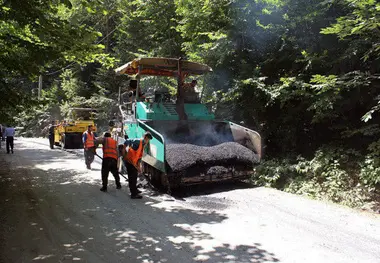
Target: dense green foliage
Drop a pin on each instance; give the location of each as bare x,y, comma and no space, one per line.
305,74
340,175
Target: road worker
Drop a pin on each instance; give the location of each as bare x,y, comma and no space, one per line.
51,134
190,87
132,161
109,163
9,135
88,139
133,91
1,134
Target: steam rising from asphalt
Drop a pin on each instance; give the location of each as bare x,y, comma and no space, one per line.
201,133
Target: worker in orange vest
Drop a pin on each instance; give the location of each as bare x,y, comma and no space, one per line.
109,163
132,159
88,138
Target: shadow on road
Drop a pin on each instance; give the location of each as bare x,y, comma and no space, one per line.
183,191
210,188
58,215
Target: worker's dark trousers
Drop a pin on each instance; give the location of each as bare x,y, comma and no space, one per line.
9,143
110,165
89,155
51,141
132,177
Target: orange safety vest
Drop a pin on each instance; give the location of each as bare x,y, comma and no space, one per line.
133,156
110,148
90,141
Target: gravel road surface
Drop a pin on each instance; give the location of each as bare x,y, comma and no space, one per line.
51,210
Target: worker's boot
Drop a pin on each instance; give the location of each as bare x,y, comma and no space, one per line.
118,186
136,196
103,189
88,166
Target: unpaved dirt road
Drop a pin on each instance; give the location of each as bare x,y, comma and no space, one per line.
52,211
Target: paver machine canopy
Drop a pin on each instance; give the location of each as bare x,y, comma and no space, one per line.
166,67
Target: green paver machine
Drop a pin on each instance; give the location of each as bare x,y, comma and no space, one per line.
182,120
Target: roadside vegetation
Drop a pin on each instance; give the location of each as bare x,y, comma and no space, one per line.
303,73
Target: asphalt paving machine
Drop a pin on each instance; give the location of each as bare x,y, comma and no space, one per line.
189,145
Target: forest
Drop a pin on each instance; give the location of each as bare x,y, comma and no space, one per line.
305,74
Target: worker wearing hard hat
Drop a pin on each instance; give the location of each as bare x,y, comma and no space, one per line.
109,163
132,160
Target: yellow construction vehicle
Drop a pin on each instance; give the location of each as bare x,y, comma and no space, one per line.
68,134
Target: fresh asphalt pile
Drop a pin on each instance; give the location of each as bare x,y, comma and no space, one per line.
182,156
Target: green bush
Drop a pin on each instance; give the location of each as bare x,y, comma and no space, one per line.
333,174
273,173
370,167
